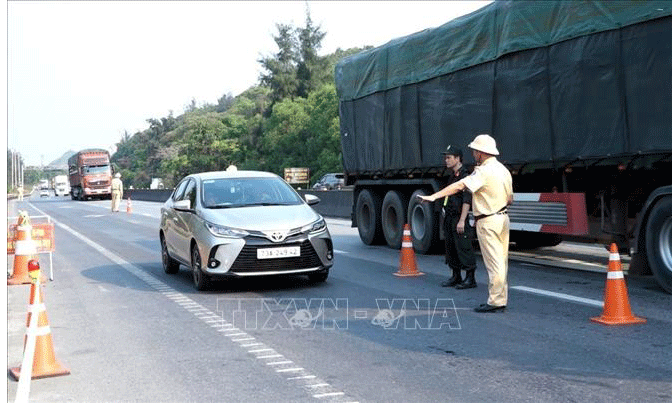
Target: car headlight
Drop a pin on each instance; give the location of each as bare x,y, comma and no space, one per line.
316,226
228,232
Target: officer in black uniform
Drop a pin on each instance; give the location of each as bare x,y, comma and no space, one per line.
458,232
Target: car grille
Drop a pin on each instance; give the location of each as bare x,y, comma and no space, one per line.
247,259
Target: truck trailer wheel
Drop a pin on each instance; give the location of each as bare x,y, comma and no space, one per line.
368,217
393,218
659,242
424,223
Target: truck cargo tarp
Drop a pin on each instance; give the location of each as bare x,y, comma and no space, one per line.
551,81
497,29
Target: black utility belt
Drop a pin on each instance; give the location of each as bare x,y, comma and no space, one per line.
478,217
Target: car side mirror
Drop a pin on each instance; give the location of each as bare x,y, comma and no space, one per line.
182,205
311,199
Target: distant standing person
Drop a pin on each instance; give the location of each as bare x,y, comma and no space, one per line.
491,186
457,231
117,191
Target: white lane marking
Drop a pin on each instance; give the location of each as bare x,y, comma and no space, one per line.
94,215
243,339
177,297
328,394
297,369
260,350
103,289
340,251
566,297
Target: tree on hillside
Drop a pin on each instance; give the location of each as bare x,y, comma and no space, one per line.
296,69
311,67
224,103
280,68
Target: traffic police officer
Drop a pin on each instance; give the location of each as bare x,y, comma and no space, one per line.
117,191
491,186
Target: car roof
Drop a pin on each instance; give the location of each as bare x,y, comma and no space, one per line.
233,175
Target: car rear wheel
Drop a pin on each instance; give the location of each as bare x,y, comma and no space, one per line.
200,279
170,265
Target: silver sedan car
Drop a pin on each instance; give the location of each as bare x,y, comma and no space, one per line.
242,223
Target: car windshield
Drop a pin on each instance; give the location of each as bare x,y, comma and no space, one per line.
244,192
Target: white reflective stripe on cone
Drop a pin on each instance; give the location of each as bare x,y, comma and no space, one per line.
614,256
25,247
407,232
37,308
40,331
612,275
407,244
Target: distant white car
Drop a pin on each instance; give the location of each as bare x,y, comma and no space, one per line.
44,193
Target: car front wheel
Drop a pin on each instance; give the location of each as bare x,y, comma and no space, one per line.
200,279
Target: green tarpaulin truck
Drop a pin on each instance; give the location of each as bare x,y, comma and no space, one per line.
578,95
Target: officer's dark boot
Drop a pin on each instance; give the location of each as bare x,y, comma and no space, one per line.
455,280
469,281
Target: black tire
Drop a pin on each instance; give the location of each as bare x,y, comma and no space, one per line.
200,279
659,242
319,277
393,218
170,265
367,211
424,223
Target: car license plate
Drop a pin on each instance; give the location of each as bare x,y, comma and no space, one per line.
273,253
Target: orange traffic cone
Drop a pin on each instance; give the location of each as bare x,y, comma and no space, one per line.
616,304
25,249
44,362
407,266
129,207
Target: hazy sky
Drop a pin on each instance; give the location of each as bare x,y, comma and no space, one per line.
82,73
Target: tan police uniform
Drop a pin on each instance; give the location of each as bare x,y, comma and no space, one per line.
117,192
491,186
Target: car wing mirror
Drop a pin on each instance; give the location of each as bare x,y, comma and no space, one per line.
182,205
311,199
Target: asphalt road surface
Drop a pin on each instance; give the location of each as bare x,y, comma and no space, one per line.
130,332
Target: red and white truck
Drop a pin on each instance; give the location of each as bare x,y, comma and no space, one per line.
90,175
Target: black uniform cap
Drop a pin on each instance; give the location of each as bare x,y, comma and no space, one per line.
452,150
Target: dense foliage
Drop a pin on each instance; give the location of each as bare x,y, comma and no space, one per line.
290,119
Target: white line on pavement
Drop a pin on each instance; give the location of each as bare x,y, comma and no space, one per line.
566,297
